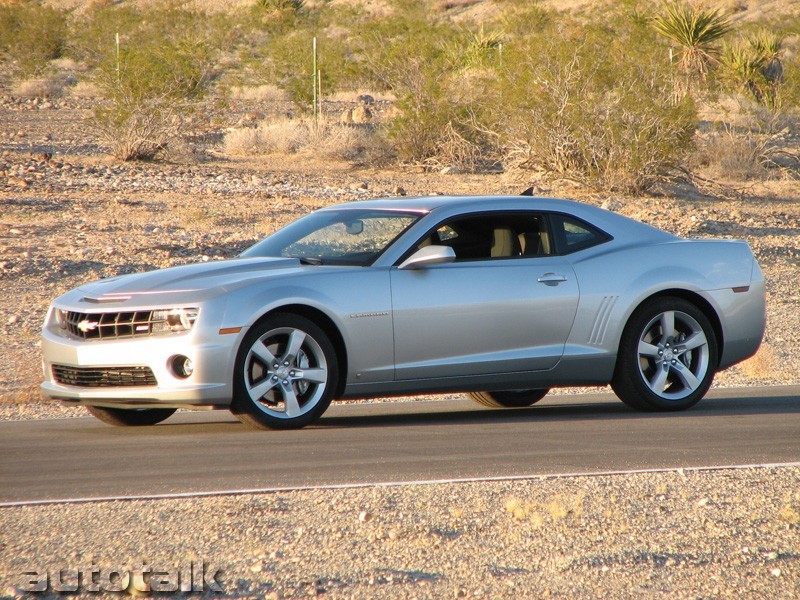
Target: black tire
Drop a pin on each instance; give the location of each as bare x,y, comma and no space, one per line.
667,356
131,417
285,374
508,399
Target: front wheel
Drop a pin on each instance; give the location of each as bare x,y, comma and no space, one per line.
667,356
508,399
131,417
285,373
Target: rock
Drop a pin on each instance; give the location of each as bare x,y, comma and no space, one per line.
18,182
13,320
362,114
399,190
611,204
449,171
365,517
254,116
346,117
365,99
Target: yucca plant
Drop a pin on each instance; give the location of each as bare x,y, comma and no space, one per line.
743,65
280,5
479,49
756,67
695,31
769,45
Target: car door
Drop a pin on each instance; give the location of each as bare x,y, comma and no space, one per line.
482,315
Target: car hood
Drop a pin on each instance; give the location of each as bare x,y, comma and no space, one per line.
166,285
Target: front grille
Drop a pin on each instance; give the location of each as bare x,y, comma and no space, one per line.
103,376
109,325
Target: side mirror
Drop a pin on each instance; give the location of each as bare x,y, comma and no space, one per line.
429,255
354,227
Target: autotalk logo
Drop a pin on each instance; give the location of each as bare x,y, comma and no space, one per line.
187,577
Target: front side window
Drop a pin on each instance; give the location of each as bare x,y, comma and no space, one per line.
492,236
338,237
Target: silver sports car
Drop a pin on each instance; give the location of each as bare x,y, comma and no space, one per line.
499,297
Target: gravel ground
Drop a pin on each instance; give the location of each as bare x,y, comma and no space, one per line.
69,215
698,534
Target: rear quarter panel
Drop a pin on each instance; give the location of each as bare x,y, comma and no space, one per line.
615,279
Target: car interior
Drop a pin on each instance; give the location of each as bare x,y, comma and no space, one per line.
493,236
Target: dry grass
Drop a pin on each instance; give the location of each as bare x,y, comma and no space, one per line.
43,87
259,93
293,136
85,89
282,136
732,155
353,96
554,511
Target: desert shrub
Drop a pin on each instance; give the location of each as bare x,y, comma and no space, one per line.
280,5
53,86
284,136
258,93
355,143
425,68
323,140
85,89
598,108
732,155
165,63
144,103
30,36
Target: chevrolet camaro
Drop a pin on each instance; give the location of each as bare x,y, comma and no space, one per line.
501,298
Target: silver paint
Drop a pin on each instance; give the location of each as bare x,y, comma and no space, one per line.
444,326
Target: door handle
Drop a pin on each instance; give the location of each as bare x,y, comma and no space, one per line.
551,278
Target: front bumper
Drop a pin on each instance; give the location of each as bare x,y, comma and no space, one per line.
208,386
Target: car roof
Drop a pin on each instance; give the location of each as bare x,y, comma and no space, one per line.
431,203
612,223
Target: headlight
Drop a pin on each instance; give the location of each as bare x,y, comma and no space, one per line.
61,318
174,319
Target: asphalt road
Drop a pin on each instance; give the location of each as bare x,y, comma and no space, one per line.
393,442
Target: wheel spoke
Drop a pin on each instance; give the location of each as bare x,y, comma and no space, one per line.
263,354
668,324
695,341
646,349
686,376
258,390
658,382
315,375
296,340
290,400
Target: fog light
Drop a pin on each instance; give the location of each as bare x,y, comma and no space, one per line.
182,366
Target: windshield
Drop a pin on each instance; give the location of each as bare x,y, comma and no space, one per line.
336,237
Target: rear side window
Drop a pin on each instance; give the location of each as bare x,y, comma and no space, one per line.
573,234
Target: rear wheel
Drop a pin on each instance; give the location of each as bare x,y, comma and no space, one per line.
667,356
285,374
508,399
131,417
